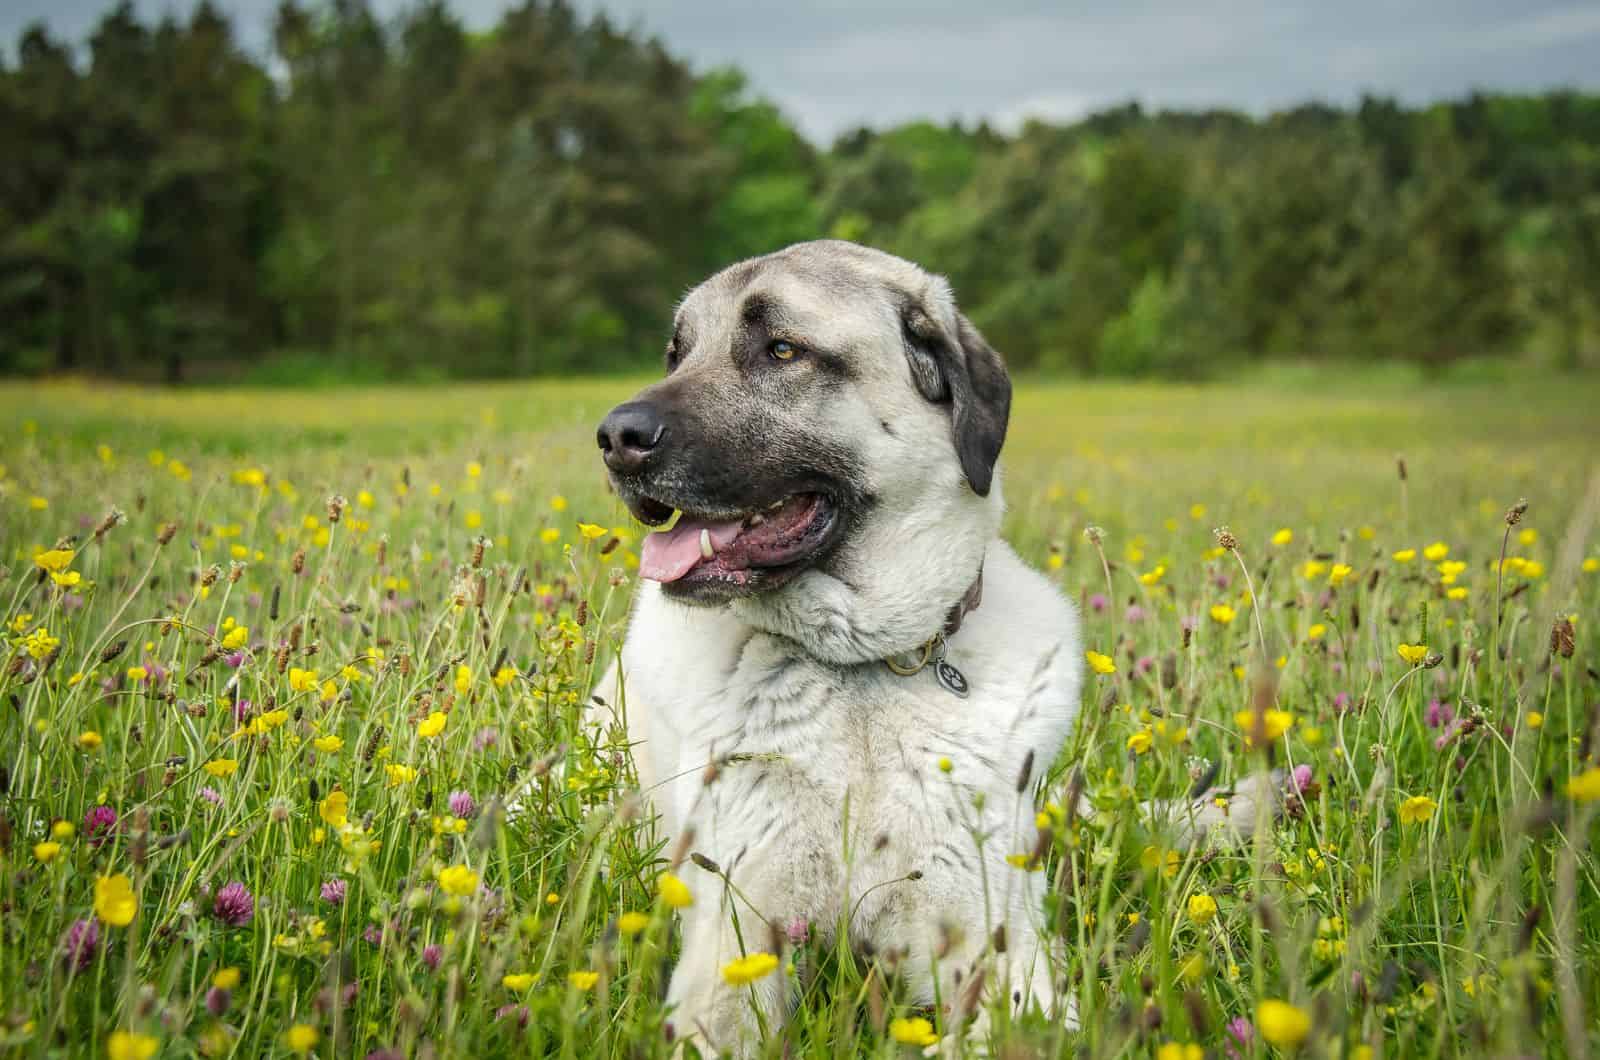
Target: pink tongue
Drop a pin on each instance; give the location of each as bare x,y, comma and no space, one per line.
668,555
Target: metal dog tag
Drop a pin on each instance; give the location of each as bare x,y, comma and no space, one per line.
953,680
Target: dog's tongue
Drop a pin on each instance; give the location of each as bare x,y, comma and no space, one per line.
668,555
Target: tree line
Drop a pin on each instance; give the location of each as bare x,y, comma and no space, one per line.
412,199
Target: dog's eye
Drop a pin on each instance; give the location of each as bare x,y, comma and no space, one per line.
784,351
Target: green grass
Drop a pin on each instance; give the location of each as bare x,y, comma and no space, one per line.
1474,931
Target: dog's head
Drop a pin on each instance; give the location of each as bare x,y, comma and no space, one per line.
828,429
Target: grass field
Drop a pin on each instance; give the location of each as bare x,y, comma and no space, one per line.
255,740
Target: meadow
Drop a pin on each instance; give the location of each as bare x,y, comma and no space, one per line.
274,660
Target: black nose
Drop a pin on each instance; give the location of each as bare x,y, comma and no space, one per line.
629,434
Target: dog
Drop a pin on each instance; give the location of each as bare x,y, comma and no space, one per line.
840,686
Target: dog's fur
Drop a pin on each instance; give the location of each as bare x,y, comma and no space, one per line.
829,795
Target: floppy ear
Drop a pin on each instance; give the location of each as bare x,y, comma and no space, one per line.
964,369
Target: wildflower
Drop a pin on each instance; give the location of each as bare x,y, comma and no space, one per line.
1222,614
1450,570
1591,564
233,905
62,830
1202,907
1417,809
218,1001
1405,555
54,560
433,956
1312,569
1140,741
1338,573
1458,592
1436,552
79,944
328,744
590,531
1175,1051
582,980
1100,664
504,676
226,978
743,971
114,900
90,740
1153,576
913,1031
461,804
463,679
1283,537
399,774
302,680
518,982
301,1038
333,891
1283,1024
458,880
630,924
46,851
39,644
222,767
432,725
1317,631
550,535
1535,719
1585,787
335,809
236,638
1269,724
1413,653
676,894
129,1045
98,823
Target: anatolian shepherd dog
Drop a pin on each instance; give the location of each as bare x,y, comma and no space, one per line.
835,623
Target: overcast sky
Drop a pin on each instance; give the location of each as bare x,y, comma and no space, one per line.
833,64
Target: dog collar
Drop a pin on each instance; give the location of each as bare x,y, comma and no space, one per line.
932,650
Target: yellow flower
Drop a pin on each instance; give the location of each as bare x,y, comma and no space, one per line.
432,725
913,1031
1202,907
590,531
63,830
1405,555
583,980
1533,569
236,638
1140,741
504,676
222,767
1197,511
1436,552
1272,723
1100,664
630,924
1282,1024
335,809
458,880
1338,573
1413,653
1528,535
550,535
54,560
1317,631
518,982
130,1045
1535,719
673,891
1056,561
742,971
1175,1051
114,900
474,519
69,580
38,504
1417,809
46,851
328,744
302,680
1153,576
399,774
1585,787
463,679
137,673
945,765
328,692
1312,569
1591,564
1025,862
1222,614
301,1038
1283,537
1458,592
90,740
226,978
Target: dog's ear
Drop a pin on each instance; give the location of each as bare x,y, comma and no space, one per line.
959,366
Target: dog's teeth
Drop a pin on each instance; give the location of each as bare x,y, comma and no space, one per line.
774,506
757,519
705,544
